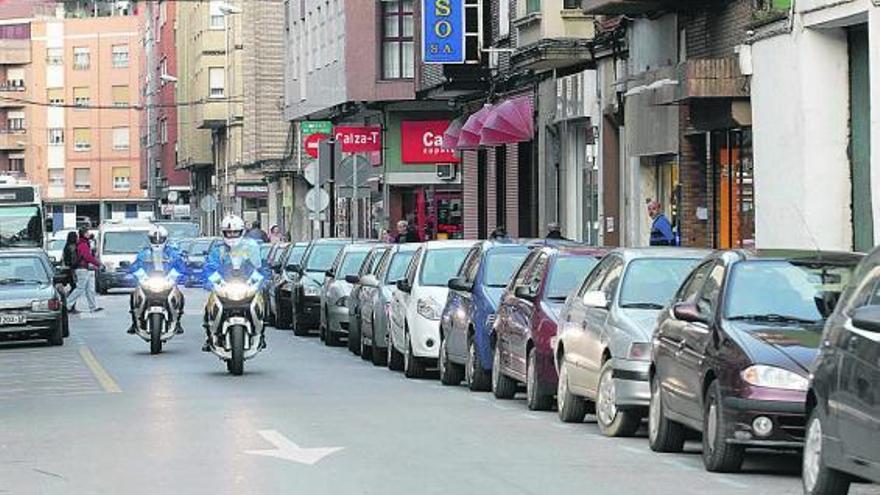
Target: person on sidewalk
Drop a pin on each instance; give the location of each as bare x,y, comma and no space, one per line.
86,267
405,233
554,231
275,235
256,233
661,227
70,260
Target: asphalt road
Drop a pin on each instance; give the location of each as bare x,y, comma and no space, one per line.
101,415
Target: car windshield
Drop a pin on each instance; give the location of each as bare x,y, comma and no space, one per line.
264,251
22,270
351,264
567,273
322,256
125,242
200,248
650,283
399,263
56,244
21,226
295,254
783,291
183,230
442,264
501,265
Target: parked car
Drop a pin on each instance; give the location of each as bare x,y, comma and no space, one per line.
196,252
603,351
527,321
308,281
359,294
118,246
280,298
418,302
265,249
55,246
843,398
179,230
33,307
732,355
336,290
273,260
376,297
469,313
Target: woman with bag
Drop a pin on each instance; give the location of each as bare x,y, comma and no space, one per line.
70,260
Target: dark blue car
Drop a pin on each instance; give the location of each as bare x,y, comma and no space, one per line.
467,319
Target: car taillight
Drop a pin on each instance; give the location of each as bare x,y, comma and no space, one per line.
54,304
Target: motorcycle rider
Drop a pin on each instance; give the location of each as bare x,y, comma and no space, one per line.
159,256
236,252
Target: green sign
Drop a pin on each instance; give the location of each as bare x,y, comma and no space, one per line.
309,127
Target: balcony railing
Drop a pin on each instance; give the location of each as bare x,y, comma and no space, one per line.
17,86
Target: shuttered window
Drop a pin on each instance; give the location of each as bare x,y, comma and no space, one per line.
120,96
82,139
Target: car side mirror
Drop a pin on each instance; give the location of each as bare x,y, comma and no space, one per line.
460,284
403,285
524,293
867,318
294,267
352,279
688,312
596,299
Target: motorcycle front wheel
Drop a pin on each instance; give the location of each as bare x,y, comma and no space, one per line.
155,323
235,365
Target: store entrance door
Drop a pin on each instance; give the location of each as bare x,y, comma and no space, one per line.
734,189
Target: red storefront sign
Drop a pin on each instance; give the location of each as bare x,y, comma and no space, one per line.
360,139
421,141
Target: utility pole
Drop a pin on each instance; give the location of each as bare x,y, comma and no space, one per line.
332,186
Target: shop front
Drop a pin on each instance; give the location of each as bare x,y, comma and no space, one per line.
254,201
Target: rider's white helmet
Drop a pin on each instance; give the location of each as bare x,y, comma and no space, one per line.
158,236
232,228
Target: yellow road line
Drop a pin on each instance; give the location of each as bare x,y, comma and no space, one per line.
104,378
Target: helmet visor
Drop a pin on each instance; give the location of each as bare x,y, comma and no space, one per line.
157,238
232,234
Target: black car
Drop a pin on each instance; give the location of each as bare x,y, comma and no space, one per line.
843,400
273,259
31,306
279,286
307,282
732,354
195,252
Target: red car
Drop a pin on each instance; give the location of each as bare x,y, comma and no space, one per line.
527,318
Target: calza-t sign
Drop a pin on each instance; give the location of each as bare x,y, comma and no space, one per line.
443,31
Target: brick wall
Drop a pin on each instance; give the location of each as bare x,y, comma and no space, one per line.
692,176
713,32
470,195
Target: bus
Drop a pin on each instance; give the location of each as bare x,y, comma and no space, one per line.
21,215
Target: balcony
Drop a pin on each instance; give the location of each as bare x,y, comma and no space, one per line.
15,51
211,114
712,78
13,140
553,39
636,7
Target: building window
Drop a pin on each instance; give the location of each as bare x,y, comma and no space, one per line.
163,131
14,80
120,138
15,31
54,56
218,20
81,96
120,56
163,71
533,6
120,96
121,178
82,179
55,96
56,136
15,121
56,177
16,165
503,18
81,59
216,82
397,39
473,36
571,4
82,139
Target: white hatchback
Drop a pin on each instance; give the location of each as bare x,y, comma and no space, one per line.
414,327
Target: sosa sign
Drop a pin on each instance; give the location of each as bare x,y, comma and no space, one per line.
422,142
443,31
359,139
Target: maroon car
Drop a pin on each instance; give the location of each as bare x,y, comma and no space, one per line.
527,318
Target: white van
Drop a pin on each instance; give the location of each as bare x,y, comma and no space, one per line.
118,245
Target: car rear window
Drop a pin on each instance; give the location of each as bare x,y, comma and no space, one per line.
501,265
22,269
442,264
351,264
653,281
322,256
567,274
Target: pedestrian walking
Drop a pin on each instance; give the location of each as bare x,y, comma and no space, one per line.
554,231
86,266
256,233
275,235
499,233
661,228
70,260
405,233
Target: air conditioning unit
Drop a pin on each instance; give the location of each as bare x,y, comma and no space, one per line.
446,171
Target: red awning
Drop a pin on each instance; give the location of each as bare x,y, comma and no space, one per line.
510,122
469,138
452,133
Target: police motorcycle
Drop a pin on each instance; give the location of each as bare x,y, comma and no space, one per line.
235,311
157,302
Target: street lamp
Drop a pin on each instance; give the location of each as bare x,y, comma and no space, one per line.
228,10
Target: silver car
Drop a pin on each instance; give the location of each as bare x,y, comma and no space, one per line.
336,290
361,295
376,304
603,349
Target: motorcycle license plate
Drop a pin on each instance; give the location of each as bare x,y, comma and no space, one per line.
12,319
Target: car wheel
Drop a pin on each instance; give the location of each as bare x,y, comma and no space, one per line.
379,353
57,335
365,351
413,367
536,398
477,379
298,328
503,386
718,455
65,324
819,479
613,422
394,358
450,373
572,408
282,316
664,435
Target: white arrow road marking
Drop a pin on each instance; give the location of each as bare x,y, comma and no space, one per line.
287,450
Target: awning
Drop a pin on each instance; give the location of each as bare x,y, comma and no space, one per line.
509,122
469,138
452,133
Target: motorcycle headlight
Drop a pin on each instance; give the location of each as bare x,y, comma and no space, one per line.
236,291
429,308
311,290
158,284
760,375
342,301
